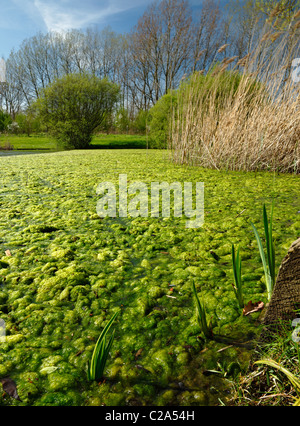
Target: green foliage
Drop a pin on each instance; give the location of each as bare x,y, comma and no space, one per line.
201,315
5,120
122,120
269,262
140,122
28,124
101,352
160,118
123,141
74,106
237,272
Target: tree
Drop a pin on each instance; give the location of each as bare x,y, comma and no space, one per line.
161,46
279,13
5,120
209,34
28,123
74,106
246,26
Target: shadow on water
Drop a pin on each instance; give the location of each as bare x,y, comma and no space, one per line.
249,344
17,153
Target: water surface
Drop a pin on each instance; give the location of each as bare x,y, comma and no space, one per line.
11,153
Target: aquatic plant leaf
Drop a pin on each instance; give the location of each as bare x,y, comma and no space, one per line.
101,352
201,314
269,242
237,273
268,277
49,370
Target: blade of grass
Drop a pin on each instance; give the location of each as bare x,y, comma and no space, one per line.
292,378
297,403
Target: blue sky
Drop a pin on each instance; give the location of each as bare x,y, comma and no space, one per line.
20,19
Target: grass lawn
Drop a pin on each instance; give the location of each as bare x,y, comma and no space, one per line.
29,143
120,141
46,143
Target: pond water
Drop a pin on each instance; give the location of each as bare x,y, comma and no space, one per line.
67,272
14,153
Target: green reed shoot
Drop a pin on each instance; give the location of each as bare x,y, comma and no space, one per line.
270,243
101,352
201,315
237,273
269,261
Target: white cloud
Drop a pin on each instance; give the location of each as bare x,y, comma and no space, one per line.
63,15
18,14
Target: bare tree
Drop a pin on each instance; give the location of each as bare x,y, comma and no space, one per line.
161,46
209,34
176,17
169,41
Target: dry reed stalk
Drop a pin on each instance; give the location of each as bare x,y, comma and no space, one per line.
249,130
296,25
222,48
297,15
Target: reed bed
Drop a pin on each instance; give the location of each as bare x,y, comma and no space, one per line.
255,126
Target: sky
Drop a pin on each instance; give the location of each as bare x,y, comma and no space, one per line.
21,19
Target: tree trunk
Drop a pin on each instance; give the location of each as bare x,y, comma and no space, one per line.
285,300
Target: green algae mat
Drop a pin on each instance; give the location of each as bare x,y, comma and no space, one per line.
64,272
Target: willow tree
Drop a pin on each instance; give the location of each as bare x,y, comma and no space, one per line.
74,106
